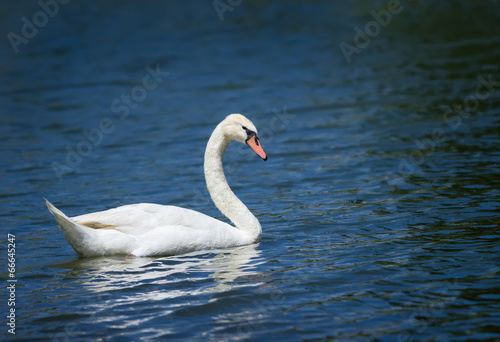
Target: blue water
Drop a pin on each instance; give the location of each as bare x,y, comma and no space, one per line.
380,201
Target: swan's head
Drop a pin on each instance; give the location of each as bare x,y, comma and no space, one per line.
239,128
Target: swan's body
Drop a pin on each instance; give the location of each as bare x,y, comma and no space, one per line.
147,229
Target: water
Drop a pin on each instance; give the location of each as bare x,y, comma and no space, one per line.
379,202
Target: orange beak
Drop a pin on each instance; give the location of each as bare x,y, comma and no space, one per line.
254,144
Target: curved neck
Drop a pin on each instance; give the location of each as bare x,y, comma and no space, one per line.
220,192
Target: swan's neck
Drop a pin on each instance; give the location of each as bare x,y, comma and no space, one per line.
220,192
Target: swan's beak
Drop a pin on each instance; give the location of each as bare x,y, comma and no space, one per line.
254,144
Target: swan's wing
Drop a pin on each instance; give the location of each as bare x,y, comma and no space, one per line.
138,219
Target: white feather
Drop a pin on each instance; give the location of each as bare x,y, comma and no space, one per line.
147,229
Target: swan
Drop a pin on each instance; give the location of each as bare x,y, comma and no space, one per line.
147,229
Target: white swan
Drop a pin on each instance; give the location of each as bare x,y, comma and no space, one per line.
147,229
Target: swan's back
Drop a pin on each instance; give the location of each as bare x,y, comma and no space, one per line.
146,229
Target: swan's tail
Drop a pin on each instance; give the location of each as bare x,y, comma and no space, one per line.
74,233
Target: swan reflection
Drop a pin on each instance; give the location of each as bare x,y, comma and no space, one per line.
218,268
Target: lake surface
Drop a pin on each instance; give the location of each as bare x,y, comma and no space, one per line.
380,201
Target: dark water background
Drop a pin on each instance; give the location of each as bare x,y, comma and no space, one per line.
380,201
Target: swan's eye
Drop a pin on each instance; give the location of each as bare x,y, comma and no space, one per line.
251,134
248,131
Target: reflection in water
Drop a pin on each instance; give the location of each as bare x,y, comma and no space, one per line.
127,289
117,273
